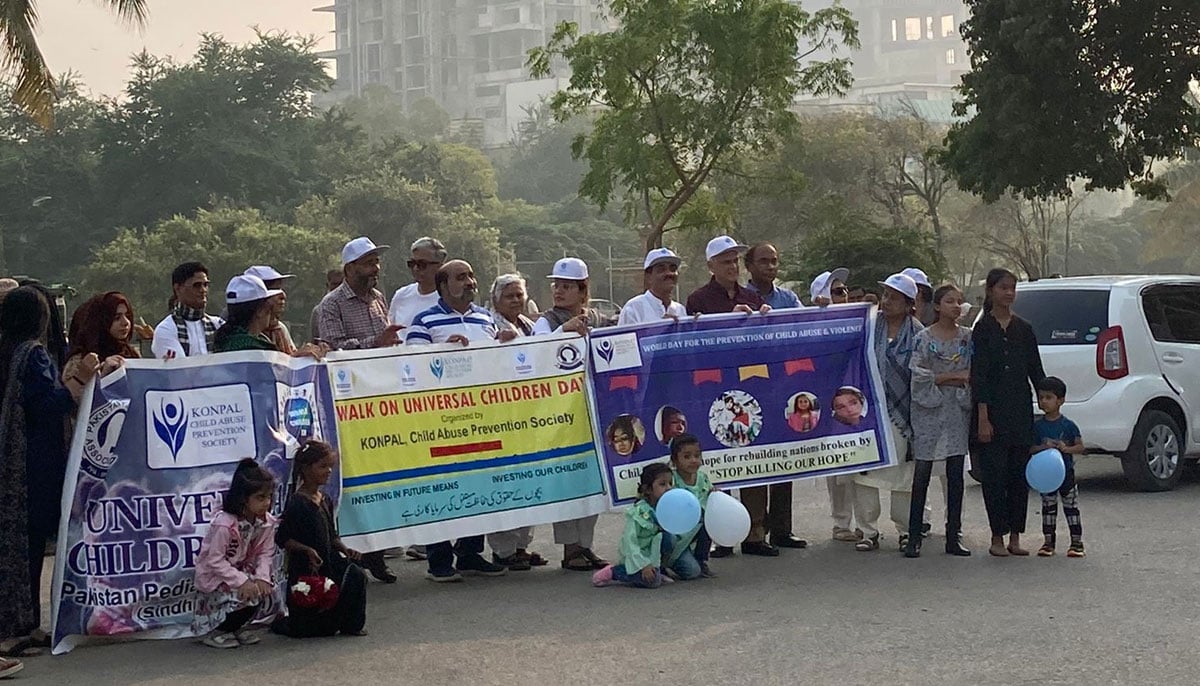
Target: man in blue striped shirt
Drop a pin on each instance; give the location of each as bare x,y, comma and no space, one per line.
456,319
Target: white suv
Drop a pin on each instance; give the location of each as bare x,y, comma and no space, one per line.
1128,348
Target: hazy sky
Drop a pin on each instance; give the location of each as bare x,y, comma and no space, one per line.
82,36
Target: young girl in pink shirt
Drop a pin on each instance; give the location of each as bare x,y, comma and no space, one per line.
233,569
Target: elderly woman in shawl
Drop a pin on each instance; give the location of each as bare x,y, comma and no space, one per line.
895,328
33,453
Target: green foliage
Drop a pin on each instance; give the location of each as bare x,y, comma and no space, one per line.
234,124
1074,89
139,262
683,85
459,175
871,252
381,117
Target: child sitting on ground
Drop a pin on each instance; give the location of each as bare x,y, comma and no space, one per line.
689,552
1056,431
233,568
641,547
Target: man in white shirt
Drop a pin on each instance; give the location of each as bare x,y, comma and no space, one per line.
427,255
662,274
456,319
188,331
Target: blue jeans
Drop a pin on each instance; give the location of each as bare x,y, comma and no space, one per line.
634,578
686,565
441,555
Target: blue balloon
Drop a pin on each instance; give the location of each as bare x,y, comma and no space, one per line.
1046,471
678,511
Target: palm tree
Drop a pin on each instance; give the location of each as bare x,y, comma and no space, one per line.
20,56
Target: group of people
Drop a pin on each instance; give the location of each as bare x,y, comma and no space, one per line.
950,391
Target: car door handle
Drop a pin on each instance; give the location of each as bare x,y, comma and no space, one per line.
1172,358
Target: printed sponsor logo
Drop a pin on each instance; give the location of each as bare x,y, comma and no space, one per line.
199,426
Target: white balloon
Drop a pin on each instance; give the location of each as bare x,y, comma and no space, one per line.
726,519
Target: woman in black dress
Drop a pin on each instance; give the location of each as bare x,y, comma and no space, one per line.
1005,368
309,536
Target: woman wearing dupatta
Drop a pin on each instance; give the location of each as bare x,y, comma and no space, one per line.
33,450
895,330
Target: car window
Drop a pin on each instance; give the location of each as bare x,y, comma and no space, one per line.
1173,313
1064,316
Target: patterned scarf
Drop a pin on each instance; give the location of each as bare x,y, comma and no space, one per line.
893,358
16,605
558,316
182,315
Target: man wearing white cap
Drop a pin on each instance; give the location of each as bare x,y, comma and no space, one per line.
924,310
829,288
724,294
662,274
426,257
188,331
355,316
277,331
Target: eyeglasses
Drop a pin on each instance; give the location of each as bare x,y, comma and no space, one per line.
840,290
421,264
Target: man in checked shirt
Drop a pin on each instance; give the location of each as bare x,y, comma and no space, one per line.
355,316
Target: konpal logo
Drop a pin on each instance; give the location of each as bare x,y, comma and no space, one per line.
450,367
521,363
199,426
617,351
437,368
170,423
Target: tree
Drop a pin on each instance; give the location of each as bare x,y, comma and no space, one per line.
872,253
35,91
1025,232
1075,89
139,261
682,85
49,180
382,118
459,175
234,124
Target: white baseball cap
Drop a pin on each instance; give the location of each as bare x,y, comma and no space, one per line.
821,285
917,275
569,269
266,273
246,289
902,283
661,255
722,244
359,248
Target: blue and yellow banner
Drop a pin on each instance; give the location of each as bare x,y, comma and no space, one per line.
451,441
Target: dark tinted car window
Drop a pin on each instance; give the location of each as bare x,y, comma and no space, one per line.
1173,313
1064,317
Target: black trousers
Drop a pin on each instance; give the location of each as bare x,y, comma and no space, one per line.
237,619
37,555
1005,492
954,497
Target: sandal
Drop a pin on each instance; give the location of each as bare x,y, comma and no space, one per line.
579,563
25,647
534,559
866,545
597,561
9,667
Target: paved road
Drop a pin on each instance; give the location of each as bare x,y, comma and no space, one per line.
827,615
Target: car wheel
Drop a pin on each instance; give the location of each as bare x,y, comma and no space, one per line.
1154,461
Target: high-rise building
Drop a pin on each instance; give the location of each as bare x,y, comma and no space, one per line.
468,55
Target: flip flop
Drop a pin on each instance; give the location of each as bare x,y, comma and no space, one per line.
26,647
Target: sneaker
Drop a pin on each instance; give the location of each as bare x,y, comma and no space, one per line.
416,553
443,576
1047,550
220,640
475,564
1076,549
706,571
603,577
246,637
722,551
513,562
